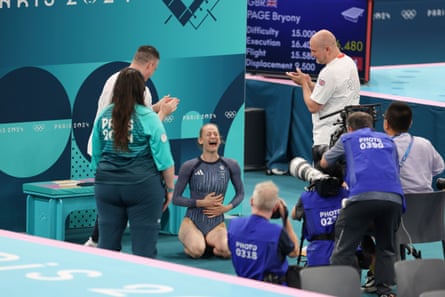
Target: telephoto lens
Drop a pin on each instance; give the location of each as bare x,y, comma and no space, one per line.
324,184
301,169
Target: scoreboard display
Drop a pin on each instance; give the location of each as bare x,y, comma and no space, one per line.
278,34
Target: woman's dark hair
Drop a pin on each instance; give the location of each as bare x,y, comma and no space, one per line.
128,91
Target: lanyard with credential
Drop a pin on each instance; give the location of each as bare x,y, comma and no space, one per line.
408,149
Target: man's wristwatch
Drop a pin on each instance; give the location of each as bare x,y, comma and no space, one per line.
169,190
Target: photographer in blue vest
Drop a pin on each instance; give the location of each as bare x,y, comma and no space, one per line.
418,159
319,207
260,247
375,196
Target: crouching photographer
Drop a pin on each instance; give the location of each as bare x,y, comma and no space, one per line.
318,207
260,247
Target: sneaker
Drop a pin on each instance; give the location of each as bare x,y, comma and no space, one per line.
277,171
90,242
369,286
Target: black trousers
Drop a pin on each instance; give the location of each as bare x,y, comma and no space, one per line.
353,223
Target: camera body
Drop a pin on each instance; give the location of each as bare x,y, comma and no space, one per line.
329,184
373,109
440,183
276,214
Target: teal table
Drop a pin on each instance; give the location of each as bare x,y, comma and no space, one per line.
49,203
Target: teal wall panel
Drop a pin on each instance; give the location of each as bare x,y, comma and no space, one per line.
56,54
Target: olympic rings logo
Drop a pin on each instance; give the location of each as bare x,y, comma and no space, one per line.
170,118
230,114
408,14
39,128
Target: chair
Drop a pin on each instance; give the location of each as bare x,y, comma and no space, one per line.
419,275
422,222
336,280
435,293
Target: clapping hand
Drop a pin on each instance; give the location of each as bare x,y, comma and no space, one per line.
168,104
298,76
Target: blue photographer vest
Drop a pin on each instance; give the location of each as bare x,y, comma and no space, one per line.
253,242
371,162
320,215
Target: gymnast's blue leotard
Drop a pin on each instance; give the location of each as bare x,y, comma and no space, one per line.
204,178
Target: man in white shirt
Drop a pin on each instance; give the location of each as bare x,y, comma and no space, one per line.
337,86
145,60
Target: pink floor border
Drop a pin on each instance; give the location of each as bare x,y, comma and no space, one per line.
160,264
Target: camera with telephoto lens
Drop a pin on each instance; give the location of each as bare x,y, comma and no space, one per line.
440,183
323,183
373,109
